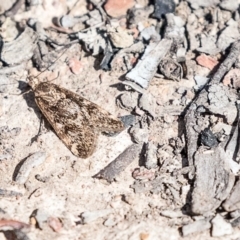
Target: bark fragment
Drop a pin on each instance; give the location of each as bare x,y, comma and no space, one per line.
114,168
213,182
146,68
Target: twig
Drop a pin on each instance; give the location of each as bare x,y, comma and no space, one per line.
99,7
114,168
202,100
14,9
147,66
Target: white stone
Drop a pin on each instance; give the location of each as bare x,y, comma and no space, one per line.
220,227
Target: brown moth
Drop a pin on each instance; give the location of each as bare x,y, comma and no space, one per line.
76,121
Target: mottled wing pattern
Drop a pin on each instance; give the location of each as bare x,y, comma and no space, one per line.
99,118
81,141
75,120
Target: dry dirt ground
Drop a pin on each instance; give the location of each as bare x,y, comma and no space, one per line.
61,192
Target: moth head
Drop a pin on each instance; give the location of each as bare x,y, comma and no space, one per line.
33,82
48,92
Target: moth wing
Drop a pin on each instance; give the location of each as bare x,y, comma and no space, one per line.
80,140
100,119
105,121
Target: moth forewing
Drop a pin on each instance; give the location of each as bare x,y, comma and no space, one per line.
76,120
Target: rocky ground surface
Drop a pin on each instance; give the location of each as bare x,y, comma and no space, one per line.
172,69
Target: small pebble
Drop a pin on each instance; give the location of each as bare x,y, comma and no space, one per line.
220,227
232,79
128,120
55,224
200,81
120,38
88,217
195,227
148,104
206,61
229,35
139,135
162,7
235,213
75,65
41,217
143,174
68,21
128,100
116,8
229,5
172,213
151,159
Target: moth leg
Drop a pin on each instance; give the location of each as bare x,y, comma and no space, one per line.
35,138
42,129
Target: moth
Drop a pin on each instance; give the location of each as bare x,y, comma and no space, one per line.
76,120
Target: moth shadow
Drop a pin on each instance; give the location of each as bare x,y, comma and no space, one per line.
29,98
23,86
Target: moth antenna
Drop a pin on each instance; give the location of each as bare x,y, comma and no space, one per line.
20,94
54,78
33,80
66,47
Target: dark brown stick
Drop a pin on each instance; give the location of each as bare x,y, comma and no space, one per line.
114,168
